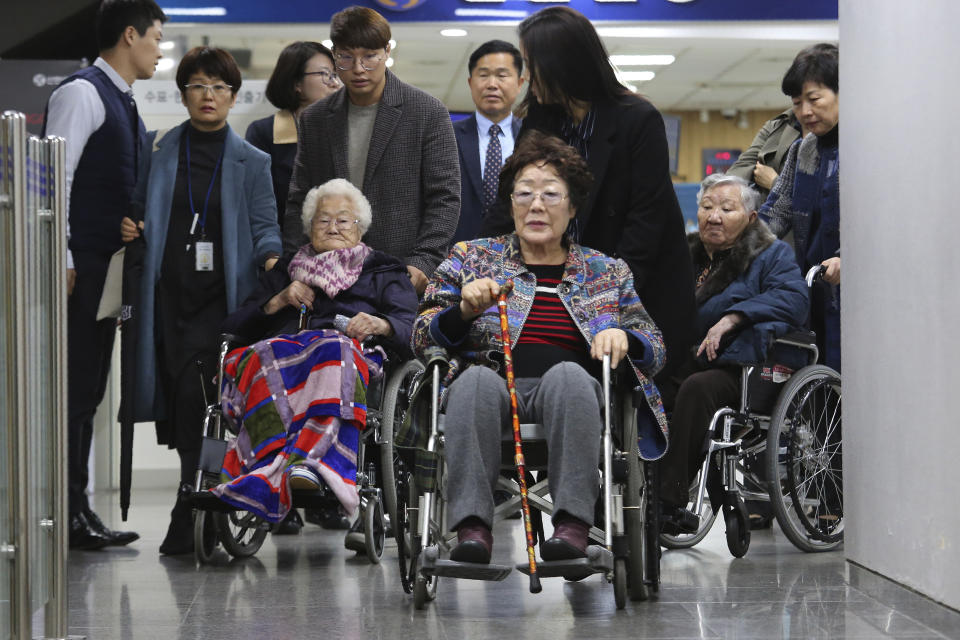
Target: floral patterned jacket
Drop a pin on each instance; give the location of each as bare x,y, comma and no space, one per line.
597,291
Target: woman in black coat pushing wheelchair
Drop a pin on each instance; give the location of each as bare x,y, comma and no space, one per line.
749,291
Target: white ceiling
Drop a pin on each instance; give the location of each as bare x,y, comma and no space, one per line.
730,65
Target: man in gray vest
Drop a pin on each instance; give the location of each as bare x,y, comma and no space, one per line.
94,111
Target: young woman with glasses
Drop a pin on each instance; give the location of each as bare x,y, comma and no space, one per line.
303,75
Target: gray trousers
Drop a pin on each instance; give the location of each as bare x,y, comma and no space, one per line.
566,400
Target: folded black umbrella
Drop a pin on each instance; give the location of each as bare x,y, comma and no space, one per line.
129,319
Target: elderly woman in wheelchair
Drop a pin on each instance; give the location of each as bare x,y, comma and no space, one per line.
749,291
298,399
569,306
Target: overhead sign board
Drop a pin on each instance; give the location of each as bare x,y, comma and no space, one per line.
302,11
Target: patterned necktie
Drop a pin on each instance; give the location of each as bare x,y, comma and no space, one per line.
491,167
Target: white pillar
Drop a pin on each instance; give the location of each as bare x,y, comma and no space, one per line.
900,228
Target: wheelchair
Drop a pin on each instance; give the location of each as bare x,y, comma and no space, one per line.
628,554
242,533
791,426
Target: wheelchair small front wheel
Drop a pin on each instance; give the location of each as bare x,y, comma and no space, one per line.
241,532
620,582
204,536
738,527
374,529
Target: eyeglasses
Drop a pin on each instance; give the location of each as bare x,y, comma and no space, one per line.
218,89
342,224
525,197
369,62
328,77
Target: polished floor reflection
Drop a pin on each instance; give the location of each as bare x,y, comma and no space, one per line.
308,586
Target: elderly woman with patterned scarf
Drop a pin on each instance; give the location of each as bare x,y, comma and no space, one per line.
296,440
569,306
748,291
806,196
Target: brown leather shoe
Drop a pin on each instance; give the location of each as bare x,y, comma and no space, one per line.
474,542
569,540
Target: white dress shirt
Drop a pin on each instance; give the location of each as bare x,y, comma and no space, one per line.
506,138
75,112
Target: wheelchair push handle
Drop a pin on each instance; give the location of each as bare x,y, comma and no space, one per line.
815,273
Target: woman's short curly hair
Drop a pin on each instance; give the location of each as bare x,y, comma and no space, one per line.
336,187
537,148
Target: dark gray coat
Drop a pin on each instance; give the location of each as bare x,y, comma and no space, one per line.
412,179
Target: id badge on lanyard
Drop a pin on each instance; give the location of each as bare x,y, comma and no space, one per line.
204,248
203,257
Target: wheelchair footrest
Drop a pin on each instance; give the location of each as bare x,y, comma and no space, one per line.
206,501
313,498
599,560
431,564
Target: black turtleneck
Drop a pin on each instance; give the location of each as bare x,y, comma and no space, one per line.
191,304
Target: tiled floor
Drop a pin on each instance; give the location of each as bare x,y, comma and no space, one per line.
308,586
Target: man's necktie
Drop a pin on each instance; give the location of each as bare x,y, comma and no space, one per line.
491,167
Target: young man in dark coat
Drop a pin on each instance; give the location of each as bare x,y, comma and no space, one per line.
392,141
95,111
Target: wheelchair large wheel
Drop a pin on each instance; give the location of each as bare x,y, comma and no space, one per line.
425,586
396,401
804,459
707,518
634,513
241,532
404,527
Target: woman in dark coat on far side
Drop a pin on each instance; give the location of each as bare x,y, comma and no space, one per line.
303,75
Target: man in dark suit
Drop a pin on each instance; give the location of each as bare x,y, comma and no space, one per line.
393,141
494,76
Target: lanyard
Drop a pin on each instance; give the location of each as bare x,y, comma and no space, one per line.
206,202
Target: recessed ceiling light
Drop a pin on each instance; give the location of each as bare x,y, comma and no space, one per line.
327,43
165,64
195,11
392,43
641,60
389,62
637,76
453,33
166,45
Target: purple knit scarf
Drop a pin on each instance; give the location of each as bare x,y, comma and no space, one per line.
332,271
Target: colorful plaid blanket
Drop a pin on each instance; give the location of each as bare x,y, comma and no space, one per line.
296,400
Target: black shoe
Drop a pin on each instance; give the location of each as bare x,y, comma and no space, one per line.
117,538
84,536
328,518
289,526
675,521
179,538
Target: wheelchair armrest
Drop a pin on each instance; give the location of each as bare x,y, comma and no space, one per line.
231,339
435,356
798,338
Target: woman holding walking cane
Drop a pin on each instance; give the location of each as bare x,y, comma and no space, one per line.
569,306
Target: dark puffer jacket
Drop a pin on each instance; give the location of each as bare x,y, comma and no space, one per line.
383,290
760,279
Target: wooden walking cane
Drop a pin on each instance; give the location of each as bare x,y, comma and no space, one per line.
517,444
